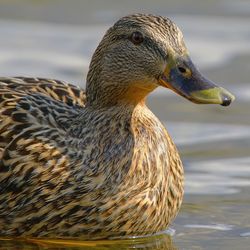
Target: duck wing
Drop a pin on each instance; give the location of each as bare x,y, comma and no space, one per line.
29,102
35,116
58,90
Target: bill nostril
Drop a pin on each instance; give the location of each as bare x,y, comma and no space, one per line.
182,70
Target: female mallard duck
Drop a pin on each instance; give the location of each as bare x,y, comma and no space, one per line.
98,164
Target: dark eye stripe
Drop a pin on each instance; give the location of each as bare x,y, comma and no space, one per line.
153,45
149,44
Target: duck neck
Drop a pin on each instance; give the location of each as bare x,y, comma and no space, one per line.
111,95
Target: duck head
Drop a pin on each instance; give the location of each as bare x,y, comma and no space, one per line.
141,52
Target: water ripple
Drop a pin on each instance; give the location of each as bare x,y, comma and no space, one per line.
220,227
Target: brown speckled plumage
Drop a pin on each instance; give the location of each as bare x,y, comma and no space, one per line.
100,167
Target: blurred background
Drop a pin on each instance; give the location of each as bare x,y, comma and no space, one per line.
56,39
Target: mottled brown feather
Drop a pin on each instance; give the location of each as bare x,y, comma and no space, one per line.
102,170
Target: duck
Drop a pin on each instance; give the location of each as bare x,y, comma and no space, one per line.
97,163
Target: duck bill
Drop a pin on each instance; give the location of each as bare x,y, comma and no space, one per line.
188,82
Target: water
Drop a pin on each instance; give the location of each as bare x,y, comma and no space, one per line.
52,39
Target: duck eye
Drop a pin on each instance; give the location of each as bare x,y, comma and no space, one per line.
137,37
